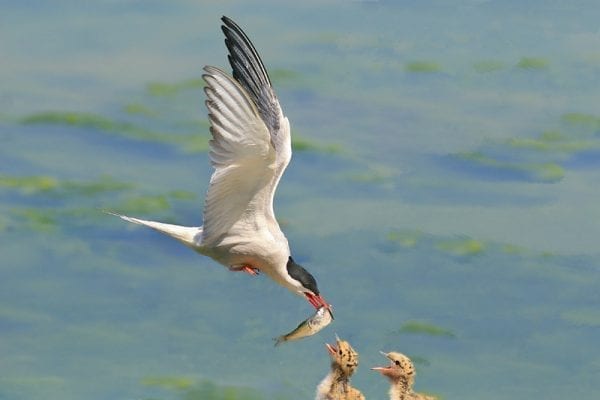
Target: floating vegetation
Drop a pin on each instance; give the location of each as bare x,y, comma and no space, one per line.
169,382
206,390
182,195
46,219
582,120
170,89
191,142
40,220
488,66
41,183
544,172
425,328
407,239
537,172
76,119
533,63
92,188
512,249
542,144
29,184
462,247
539,159
373,174
283,76
194,144
423,66
148,204
210,391
553,141
139,109
303,144
145,204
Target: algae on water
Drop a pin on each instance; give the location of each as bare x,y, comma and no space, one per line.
36,184
190,389
425,328
533,63
462,247
407,239
170,89
188,142
423,66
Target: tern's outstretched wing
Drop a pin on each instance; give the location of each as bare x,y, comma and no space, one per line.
250,146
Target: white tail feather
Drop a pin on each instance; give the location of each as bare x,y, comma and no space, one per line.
188,235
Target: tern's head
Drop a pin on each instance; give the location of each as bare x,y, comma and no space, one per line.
400,367
343,355
305,284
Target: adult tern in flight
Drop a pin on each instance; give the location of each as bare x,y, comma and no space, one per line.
249,150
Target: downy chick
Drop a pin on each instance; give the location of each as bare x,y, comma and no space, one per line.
401,373
336,385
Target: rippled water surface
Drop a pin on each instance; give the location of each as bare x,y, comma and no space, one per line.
444,191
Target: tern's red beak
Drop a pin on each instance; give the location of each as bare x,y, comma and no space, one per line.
317,301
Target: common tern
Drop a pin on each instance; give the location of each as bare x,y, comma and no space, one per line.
249,150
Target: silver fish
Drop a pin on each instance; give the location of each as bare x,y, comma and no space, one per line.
308,327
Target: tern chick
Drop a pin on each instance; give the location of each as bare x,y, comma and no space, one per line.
336,385
401,373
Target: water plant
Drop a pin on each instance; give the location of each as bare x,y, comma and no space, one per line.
423,66
425,328
533,63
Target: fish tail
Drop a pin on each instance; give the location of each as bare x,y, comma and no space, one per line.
279,340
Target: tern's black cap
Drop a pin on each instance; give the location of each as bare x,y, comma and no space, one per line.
300,274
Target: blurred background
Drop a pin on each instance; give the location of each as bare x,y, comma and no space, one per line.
444,191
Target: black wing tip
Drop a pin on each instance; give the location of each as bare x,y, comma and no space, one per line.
226,20
234,37
229,24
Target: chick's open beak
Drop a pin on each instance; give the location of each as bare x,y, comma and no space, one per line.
383,370
331,349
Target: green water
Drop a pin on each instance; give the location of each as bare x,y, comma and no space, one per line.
443,191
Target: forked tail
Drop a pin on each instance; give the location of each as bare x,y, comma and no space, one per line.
188,235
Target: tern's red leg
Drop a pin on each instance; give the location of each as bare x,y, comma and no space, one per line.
250,270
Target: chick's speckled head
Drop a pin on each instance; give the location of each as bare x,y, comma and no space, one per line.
344,356
400,366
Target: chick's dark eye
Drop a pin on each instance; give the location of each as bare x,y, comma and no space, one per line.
340,352
397,362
